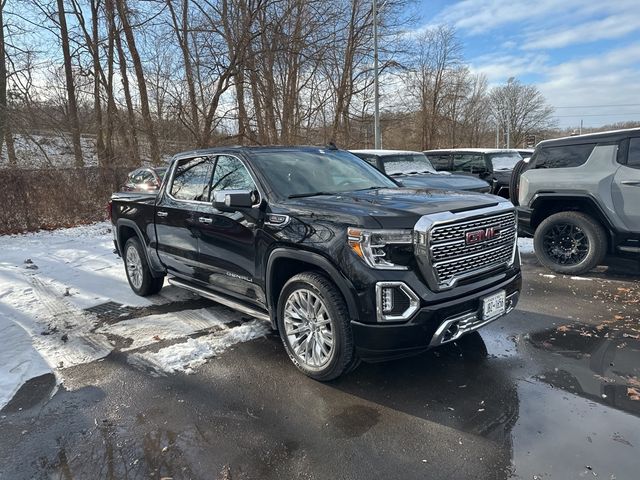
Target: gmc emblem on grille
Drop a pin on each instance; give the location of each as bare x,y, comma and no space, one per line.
477,236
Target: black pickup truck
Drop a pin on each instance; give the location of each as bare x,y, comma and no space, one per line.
344,263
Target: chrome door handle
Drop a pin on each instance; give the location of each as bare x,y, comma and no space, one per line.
205,220
162,214
633,183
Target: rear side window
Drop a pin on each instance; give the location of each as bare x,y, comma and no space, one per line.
469,162
633,159
566,156
191,179
439,161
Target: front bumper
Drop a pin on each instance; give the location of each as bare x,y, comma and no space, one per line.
524,222
378,342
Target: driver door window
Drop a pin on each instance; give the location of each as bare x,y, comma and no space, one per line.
231,174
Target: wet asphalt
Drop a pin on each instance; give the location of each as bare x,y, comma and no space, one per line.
551,391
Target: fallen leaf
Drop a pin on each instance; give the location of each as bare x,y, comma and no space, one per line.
633,393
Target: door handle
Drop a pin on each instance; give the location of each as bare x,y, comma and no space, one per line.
633,183
205,220
162,214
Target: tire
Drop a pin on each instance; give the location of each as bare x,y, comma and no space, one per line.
141,281
514,182
328,321
570,243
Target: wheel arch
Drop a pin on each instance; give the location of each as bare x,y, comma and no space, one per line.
544,205
284,263
126,229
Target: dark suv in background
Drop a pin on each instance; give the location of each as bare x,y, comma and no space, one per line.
413,169
492,165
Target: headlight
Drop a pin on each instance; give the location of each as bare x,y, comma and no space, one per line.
382,249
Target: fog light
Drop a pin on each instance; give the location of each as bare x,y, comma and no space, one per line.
395,301
387,299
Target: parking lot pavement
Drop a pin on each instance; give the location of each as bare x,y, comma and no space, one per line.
551,391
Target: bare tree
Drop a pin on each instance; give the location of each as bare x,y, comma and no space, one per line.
123,14
520,108
70,86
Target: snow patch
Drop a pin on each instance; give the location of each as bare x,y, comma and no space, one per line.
184,357
145,331
525,245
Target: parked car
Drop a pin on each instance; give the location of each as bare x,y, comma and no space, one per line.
490,164
146,179
579,198
345,264
525,153
413,169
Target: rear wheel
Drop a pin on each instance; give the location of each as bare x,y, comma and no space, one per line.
514,182
570,243
141,281
313,322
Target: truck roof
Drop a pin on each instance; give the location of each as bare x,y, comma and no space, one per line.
473,150
608,136
382,153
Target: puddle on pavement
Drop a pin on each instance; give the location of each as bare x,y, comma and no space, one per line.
354,421
601,363
32,393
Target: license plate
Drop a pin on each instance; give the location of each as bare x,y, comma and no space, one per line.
493,305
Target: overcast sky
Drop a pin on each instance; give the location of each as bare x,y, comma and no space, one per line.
578,52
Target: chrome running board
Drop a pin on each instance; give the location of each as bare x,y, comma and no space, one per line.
224,300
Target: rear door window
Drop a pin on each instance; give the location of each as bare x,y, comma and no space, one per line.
469,163
439,161
566,156
633,158
191,179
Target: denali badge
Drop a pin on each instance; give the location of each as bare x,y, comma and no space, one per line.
477,236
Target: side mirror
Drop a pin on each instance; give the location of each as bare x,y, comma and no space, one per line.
233,199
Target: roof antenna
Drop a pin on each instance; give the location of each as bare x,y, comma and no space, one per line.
332,146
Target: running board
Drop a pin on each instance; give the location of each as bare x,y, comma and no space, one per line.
224,300
629,249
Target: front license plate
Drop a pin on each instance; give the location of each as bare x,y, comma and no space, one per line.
493,305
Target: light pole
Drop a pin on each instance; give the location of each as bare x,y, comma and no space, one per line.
376,89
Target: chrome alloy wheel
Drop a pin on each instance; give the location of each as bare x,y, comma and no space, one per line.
134,267
308,328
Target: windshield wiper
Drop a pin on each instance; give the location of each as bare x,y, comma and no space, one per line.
310,194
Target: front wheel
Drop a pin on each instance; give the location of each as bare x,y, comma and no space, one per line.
141,281
313,322
571,243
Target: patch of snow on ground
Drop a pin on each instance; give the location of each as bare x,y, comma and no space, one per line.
525,245
48,279
19,361
184,357
145,331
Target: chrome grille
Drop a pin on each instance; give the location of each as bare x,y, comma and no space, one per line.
446,257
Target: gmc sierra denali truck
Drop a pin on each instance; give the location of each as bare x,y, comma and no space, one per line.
343,263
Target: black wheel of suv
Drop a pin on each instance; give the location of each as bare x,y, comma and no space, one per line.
138,273
570,242
514,182
314,326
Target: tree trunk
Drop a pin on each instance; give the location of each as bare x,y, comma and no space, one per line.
97,103
3,81
142,86
71,93
131,115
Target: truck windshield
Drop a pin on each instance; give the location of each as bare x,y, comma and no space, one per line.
406,164
504,161
318,172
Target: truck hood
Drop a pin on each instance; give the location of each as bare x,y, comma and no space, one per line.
447,182
391,207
